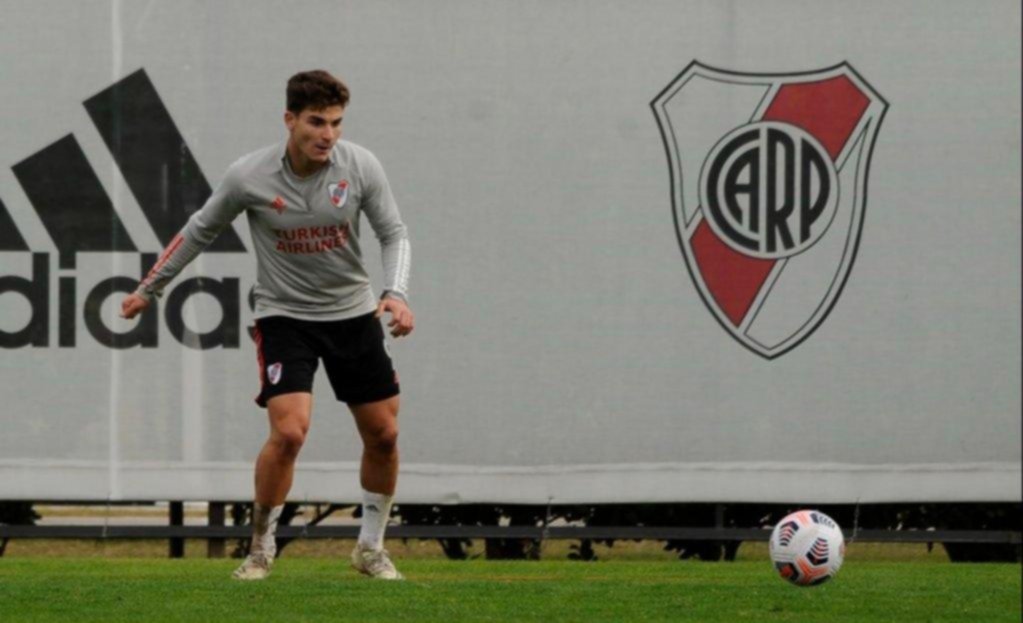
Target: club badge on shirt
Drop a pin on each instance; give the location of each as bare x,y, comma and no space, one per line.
273,372
338,193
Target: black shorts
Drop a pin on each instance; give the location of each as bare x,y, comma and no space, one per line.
353,353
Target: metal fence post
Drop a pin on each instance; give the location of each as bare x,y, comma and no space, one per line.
215,546
177,518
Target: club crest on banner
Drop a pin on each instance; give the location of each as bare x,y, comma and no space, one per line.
338,193
769,179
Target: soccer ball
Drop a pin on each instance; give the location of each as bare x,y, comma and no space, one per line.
807,547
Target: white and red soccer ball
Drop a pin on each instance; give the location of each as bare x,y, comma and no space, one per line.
807,547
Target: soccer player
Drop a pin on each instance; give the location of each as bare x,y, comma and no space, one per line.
303,199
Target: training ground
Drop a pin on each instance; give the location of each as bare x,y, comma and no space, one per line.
877,583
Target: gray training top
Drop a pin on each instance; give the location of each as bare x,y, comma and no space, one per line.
305,232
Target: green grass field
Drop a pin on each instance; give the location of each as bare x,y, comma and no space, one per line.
314,589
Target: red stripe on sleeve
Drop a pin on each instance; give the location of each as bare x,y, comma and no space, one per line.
168,252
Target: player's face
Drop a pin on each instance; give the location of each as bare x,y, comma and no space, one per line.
314,132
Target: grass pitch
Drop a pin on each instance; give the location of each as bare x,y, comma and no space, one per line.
304,589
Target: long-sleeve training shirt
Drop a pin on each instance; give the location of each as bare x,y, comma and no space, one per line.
305,232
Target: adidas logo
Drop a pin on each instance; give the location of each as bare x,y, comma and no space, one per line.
79,217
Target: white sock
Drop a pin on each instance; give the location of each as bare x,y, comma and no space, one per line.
264,527
376,510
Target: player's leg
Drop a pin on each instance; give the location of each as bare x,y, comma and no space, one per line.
288,364
361,372
275,468
289,416
378,426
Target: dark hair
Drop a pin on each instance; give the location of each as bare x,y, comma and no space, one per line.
315,89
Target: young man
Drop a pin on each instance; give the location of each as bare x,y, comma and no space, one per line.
303,199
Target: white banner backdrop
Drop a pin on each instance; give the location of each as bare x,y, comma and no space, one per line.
563,352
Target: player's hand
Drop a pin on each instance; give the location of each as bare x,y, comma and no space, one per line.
402,321
132,305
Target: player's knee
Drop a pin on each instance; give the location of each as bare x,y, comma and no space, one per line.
289,440
384,440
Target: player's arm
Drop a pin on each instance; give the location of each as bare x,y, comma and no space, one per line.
382,212
201,229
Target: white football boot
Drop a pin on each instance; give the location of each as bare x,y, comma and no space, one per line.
257,564
376,563
254,567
